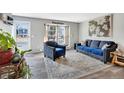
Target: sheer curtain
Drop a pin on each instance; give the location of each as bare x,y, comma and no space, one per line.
62,33
67,35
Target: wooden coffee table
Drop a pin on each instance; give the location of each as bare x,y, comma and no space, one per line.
115,55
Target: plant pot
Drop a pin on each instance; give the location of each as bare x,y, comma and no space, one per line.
5,56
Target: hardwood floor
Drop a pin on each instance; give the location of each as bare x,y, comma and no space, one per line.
114,72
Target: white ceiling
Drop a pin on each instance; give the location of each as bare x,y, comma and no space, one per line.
72,17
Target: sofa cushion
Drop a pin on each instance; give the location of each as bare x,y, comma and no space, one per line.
102,43
88,49
97,52
88,43
80,47
59,51
95,44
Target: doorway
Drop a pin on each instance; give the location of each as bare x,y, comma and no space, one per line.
22,34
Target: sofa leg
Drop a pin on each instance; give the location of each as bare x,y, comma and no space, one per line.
44,55
105,62
54,59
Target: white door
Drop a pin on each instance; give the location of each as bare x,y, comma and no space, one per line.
22,34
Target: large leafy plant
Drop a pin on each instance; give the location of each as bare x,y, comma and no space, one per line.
24,70
6,41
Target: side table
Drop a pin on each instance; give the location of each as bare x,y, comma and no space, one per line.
116,55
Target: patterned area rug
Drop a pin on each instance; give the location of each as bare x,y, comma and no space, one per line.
74,66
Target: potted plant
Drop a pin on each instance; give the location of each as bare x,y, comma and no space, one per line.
18,58
10,53
7,43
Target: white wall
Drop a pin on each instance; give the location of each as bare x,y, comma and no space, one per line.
38,31
118,30
5,27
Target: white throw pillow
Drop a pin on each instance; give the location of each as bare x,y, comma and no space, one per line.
105,46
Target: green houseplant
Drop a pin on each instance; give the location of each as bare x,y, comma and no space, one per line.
10,53
7,43
24,70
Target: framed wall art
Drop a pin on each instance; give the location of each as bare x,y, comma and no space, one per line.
101,27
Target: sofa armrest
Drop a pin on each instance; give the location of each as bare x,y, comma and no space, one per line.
62,46
50,47
78,44
111,49
49,51
107,51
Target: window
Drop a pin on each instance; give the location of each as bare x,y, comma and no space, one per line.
21,31
58,33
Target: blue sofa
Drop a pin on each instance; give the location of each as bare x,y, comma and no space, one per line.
94,48
53,50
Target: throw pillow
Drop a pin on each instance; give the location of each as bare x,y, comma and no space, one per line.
105,46
95,44
88,42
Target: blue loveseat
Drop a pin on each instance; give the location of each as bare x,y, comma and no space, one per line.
53,50
94,48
